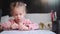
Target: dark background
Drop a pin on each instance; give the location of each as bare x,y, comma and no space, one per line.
34,6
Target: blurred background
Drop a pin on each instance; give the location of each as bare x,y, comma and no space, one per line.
34,6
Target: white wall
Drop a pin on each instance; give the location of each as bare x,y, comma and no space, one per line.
42,17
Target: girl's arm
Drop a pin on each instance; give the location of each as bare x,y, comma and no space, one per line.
6,26
32,25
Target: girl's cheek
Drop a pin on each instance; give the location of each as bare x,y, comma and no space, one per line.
23,15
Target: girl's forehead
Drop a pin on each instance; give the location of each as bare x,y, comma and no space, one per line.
18,10
20,7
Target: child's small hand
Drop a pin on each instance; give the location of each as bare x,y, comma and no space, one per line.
22,27
14,26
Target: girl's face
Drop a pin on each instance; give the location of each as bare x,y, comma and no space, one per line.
18,13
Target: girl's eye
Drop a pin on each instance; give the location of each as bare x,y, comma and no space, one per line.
20,14
16,14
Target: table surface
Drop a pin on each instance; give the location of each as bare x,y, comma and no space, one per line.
28,32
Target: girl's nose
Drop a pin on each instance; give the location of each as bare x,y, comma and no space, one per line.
18,16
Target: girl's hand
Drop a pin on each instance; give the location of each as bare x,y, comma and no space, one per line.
14,26
22,27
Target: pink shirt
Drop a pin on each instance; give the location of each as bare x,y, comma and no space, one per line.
25,25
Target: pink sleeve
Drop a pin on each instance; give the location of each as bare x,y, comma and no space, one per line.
5,25
32,25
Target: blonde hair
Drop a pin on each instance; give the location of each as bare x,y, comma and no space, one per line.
17,4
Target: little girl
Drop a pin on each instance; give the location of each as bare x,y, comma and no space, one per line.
18,11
